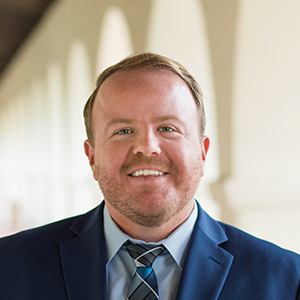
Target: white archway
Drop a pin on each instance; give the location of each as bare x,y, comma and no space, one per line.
79,80
115,39
177,29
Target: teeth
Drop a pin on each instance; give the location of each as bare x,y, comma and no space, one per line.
147,173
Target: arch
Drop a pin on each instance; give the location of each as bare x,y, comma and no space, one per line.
34,208
115,40
79,87
57,207
170,25
55,101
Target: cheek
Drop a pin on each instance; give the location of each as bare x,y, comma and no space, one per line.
110,160
192,164
185,153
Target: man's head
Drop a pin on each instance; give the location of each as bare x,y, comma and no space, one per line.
144,146
145,61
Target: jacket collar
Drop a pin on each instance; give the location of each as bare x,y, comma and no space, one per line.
207,265
84,258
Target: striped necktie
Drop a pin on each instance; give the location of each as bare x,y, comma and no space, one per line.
143,285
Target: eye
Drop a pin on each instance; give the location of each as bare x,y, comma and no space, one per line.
124,131
166,129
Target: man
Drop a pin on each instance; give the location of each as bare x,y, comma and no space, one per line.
146,147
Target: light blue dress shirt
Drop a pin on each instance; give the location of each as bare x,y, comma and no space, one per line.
168,266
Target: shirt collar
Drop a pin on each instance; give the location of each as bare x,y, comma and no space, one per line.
114,236
176,242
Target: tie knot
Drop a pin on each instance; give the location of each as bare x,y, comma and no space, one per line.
145,254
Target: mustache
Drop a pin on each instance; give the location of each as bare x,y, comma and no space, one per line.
140,160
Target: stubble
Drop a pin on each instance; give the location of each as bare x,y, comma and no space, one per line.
152,208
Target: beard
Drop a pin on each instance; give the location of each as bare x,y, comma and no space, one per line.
154,205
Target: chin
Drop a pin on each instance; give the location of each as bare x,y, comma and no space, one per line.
153,215
150,221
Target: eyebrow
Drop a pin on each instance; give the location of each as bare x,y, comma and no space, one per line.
166,118
119,120
130,121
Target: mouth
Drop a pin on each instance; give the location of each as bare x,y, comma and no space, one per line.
147,172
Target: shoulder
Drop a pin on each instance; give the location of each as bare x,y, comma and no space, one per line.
240,241
32,261
46,238
257,256
260,267
42,238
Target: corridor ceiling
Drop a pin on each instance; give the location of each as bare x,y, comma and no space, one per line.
17,19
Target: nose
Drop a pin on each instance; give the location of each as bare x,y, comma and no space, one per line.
147,143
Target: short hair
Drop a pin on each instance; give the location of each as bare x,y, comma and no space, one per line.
146,61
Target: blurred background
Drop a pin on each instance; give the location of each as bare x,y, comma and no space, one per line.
244,54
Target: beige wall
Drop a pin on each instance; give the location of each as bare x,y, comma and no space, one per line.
266,127
244,55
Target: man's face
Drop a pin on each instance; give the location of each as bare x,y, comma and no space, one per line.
148,156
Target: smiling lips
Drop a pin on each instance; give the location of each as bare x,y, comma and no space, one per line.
147,173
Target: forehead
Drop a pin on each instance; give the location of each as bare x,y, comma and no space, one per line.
149,80
161,77
143,92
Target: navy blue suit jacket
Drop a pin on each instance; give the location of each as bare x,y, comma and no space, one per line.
66,260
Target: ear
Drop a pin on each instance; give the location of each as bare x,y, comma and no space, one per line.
204,149
205,146
89,152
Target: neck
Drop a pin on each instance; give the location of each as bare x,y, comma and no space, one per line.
150,234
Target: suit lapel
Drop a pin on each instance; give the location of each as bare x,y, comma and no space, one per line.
84,258
207,265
